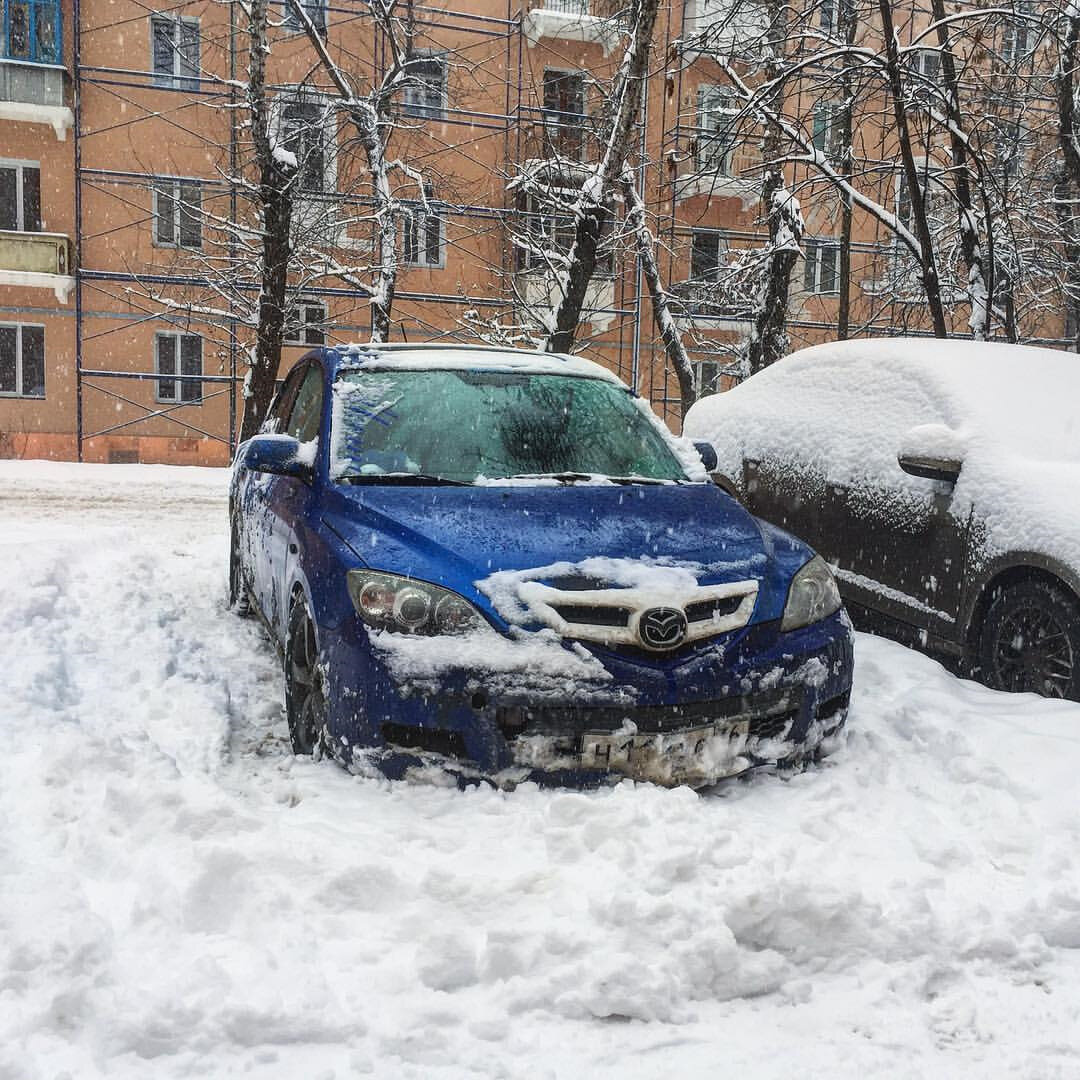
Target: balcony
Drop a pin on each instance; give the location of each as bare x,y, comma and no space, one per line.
37,260
598,21
31,65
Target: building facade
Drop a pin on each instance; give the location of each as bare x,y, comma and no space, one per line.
124,231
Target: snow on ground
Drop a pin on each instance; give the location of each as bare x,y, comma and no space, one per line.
179,897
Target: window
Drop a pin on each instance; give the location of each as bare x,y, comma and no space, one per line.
175,47
707,251
306,414
422,236
304,122
548,227
819,272
22,361
1009,150
32,31
930,181
1016,34
178,214
20,196
179,354
425,88
564,111
304,324
708,375
827,15
314,9
717,114
828,129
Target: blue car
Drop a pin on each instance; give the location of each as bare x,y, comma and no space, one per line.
502,564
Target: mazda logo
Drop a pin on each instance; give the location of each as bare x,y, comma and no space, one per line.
662,628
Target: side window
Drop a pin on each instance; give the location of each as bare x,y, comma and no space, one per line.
279,407
307,409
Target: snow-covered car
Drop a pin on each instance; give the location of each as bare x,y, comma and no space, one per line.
502,562
942,481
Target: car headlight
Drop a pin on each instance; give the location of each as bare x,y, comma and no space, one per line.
391,602
812,595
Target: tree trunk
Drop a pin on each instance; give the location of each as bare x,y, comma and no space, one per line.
592,208
674,349
275,204
979,276
928,263
848,26
1068,185
768,337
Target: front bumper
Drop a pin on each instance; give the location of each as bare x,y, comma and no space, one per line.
754,697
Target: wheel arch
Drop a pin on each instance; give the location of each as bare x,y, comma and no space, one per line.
1009,570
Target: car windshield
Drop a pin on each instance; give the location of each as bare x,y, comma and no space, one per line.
464,426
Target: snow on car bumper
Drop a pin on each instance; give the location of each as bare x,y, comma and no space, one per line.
750,698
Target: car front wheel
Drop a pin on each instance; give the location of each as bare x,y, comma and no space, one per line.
305,684
1030,640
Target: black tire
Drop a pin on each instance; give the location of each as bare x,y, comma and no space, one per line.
305,684
1030,640
239,601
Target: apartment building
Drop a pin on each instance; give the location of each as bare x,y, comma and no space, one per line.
125,300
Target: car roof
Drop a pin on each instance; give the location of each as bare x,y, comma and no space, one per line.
406,356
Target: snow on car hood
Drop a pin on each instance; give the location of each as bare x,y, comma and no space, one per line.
461,536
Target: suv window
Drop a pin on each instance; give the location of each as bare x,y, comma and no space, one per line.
279,407
307,410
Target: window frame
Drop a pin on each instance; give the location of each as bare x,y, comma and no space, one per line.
176,79
421,109
291,24
541,223
812,282
708,161
299,95
302,306
416,219
176,376
826,118
20,389
722,247
699,370
567,139
20,165
56,57
176,184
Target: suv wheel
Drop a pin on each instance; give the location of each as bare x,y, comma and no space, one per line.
305,684
1030,640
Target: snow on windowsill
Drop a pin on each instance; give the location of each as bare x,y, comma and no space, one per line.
58,117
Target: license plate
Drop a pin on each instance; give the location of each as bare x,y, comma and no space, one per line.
700,753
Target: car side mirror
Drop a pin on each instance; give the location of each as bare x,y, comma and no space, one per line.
944,470
708,455
934,452
279,455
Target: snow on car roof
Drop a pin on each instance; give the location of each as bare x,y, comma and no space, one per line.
1019,395
410,357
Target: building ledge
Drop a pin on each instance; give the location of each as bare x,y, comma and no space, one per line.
718,187
59,117
572,26
60,284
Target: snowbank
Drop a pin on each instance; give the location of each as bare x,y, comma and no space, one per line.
183,898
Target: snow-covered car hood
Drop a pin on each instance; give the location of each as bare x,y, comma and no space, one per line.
459,536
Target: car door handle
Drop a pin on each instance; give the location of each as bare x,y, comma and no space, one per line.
292,549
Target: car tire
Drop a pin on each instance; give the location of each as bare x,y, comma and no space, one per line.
1030,640
305,684
239,601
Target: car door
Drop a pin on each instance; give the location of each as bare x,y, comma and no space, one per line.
289,498
253,490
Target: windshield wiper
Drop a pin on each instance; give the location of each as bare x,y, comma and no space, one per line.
425,479
573,477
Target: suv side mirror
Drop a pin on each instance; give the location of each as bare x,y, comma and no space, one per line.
944,470
708,455
279,455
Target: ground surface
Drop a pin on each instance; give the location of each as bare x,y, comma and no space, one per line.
179,897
